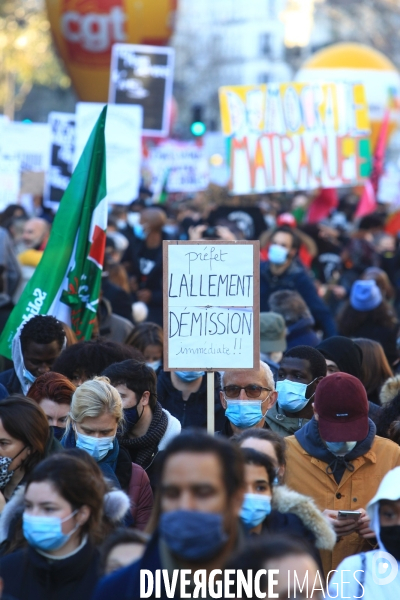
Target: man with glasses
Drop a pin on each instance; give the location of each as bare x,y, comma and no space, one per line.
246,395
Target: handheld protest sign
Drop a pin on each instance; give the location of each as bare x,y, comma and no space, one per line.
211,307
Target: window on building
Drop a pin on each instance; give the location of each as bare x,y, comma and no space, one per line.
265,44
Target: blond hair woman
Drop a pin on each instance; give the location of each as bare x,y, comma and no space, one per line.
95,415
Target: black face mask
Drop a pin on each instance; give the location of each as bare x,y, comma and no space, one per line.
390,537
58,431
131,416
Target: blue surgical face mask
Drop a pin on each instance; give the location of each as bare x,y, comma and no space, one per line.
254,509
45,533
133,218
277,255
292,395
28,375
193,535
96,447
154,365
245,413
189,375
139,231
340,448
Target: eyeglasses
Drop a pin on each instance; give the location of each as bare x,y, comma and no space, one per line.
252,391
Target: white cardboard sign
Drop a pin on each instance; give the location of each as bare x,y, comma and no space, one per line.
211,305
123,146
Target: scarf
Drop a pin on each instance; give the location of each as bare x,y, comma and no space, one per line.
142,449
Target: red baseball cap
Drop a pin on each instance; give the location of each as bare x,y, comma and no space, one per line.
342,406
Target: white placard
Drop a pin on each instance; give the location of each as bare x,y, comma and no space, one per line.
123,146
28,143
211,299
182,165
9,181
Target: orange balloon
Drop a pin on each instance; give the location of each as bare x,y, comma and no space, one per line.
85,30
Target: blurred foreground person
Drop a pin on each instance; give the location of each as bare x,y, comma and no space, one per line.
375,575
122,548
35,347
95,415
62,525
195,523
53,393
286,556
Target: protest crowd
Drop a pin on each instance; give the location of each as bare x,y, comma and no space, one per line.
199,330
106,467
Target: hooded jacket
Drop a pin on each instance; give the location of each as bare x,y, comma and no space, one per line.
363,569
307,474
283,424
302,333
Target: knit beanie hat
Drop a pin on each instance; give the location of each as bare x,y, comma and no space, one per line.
365,295
344,352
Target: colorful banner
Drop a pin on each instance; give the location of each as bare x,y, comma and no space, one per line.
294,136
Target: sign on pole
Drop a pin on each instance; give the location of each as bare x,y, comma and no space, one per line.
211,308
62,149
143,75
296,136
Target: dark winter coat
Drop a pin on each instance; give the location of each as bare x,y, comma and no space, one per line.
126,475
28,575
9,383
193,411
296,278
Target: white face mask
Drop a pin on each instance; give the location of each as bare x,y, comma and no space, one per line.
340,448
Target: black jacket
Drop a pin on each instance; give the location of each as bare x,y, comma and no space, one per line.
10,381
193,411
28,575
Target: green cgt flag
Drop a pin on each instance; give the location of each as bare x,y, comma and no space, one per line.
66,283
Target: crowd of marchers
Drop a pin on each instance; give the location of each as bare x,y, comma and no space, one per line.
106,469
